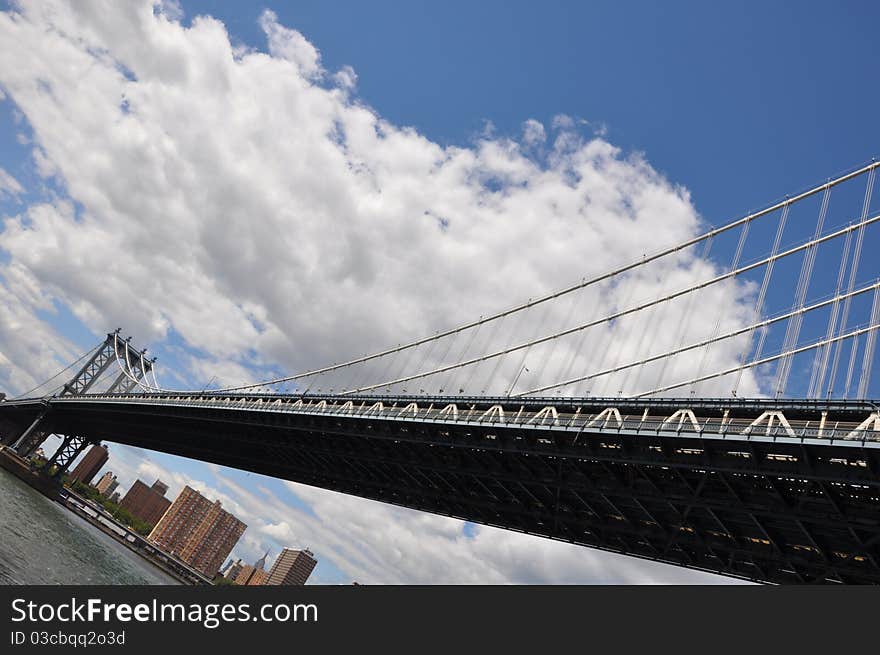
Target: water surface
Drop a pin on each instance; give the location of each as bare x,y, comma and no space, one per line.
41,542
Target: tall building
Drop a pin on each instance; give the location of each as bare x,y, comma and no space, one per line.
231,569
147,503
199,532
292,567
107,483
89,465
253,575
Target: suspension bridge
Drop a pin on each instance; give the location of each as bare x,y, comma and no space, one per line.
705,405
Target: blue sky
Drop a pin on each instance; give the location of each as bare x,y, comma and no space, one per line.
739,105
742,103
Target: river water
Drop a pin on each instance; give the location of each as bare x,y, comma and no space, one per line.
41,542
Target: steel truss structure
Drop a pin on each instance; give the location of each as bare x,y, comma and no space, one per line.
67,452
103,360
775,491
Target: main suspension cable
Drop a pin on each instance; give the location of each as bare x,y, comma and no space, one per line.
759,362
611,317
531,303
62,371
699,344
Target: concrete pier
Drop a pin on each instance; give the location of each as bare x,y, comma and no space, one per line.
12,462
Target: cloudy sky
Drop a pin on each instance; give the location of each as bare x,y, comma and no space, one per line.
243,200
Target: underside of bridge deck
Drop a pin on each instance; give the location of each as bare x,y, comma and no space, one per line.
761,510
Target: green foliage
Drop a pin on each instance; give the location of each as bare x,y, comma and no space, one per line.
221,581
119,513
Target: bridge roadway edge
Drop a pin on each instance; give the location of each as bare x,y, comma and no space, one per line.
669,501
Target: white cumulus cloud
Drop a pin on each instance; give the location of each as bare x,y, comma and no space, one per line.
9,186
533,132
253,206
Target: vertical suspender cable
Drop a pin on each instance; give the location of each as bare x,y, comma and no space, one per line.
853,351
525,353
444,359
490,337
657,319
744,232
633,319
823,353
575,302
853,271
583,339
870,344
406,361
391,361
487,383
649,326
454,378
362,372
793,328
615,334
759,303
688,310
598,352
427,356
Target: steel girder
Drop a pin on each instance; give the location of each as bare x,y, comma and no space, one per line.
775,512
67,452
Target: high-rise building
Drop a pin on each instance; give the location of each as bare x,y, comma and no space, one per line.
292,567
257,578
253,575
104,479
89,465
231,569
114,497
199,532
146,503
107,484
261,563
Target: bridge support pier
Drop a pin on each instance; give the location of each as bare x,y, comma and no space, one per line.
28,441
27,445
96,366
68,451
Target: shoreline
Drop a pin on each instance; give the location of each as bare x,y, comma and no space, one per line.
110,532
80,507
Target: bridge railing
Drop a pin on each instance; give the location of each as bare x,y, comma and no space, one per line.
771,425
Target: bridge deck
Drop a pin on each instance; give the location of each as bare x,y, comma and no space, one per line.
705,484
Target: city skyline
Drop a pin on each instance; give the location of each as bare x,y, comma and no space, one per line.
168,502
141,501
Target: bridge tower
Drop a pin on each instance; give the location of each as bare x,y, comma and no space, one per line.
102,361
